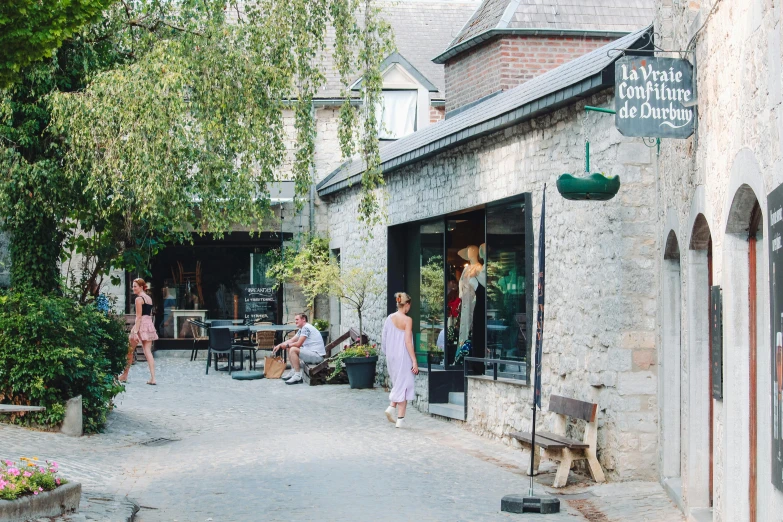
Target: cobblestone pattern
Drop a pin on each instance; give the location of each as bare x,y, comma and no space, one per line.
601,262
253,450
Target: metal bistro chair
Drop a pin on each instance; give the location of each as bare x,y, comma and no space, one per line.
196,327
218,323
220,342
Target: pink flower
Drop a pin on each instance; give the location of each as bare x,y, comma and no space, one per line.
35,492
40,488
13,471
27,474
9,463
57,481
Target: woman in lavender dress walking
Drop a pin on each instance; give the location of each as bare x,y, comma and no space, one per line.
397,344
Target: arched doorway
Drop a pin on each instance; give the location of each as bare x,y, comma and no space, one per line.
670,375
701,407
742,259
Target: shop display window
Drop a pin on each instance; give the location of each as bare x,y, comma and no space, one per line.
467,275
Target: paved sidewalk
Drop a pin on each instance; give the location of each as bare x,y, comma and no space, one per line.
205,447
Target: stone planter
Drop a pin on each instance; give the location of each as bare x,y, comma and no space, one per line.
361,371
56,502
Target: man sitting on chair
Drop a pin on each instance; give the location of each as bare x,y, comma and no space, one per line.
307,345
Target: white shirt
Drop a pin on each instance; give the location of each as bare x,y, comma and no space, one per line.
313,340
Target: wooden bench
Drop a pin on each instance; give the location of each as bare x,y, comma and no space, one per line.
560,448
317,374
16,408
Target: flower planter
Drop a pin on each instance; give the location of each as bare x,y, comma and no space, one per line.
324,335
596,187
361,371
64,499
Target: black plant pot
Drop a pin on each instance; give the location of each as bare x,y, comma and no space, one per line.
324,335
361,371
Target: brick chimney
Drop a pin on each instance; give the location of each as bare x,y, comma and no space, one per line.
508,42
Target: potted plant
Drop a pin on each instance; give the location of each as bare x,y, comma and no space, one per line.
359,363
322,325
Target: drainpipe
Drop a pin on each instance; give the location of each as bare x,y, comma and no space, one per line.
312,184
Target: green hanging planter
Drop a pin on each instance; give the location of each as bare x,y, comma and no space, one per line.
596,187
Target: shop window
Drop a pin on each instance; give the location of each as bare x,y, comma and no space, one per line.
431,331
467,276
507,318
397,114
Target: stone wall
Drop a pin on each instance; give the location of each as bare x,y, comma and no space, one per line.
602,271
5,262
736,150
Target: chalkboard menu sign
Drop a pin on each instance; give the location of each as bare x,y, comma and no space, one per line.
653,97
775,205
716,341
260,303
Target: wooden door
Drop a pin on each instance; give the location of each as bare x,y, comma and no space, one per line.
755,220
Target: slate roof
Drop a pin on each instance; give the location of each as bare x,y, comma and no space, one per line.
598,17
561,86
422,29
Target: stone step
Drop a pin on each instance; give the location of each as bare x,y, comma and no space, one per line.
457,398
452,411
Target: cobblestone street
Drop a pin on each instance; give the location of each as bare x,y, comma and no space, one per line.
205,447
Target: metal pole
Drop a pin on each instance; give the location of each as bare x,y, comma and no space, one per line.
599,109
587,156
532,446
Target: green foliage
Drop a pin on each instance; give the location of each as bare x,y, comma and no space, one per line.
357,350
321,325
164,119
30,30
40,205
311,267
432,290
53,349
302,264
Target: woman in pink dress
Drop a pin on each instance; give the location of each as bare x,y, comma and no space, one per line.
397,344
143,330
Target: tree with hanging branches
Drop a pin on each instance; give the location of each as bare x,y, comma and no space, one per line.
176,125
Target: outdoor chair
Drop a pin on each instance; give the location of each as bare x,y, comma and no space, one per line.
220,344
265,340
196,327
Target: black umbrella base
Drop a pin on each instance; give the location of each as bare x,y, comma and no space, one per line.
527,504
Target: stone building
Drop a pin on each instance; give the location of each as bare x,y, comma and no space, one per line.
720,452
466,193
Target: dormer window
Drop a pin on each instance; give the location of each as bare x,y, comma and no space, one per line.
397,114
404,107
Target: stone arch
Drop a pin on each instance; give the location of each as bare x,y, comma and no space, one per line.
746,193
698,481
670,365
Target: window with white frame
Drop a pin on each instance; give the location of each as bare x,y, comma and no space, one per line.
397,114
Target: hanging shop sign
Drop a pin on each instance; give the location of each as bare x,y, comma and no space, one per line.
654,97
775,204
716,341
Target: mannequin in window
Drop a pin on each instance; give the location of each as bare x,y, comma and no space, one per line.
468,283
